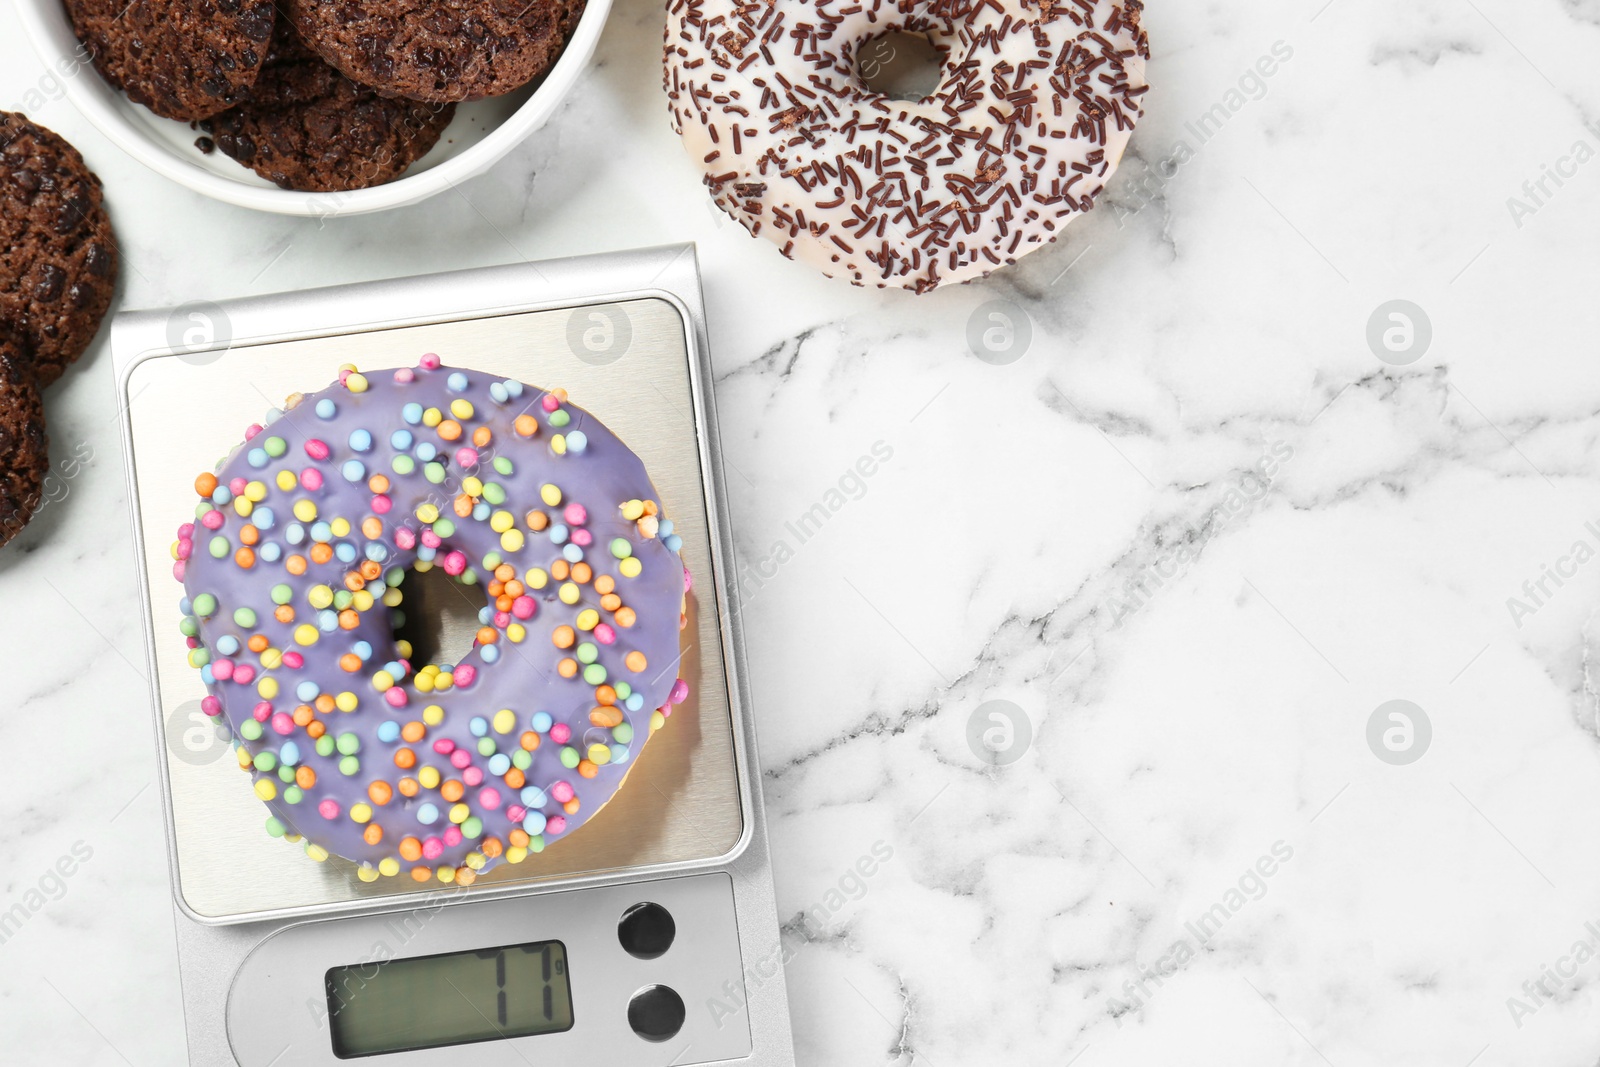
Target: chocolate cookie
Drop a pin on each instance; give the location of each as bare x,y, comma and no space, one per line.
438,50
23,459
306,126
182,59
58,259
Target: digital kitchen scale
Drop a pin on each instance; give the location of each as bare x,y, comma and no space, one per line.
650,936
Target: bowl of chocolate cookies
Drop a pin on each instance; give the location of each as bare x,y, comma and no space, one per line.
316,107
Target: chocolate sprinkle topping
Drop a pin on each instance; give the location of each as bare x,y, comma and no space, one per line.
1035,105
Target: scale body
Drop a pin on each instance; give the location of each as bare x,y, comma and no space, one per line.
264,934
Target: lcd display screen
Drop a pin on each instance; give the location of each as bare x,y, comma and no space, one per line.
453,998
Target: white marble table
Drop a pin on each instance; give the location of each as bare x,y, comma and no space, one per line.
1197,647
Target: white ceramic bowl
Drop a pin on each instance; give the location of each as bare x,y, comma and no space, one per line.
481,132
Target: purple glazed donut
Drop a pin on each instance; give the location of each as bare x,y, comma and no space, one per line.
292,571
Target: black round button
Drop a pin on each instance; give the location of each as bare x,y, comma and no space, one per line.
656,1012
646,931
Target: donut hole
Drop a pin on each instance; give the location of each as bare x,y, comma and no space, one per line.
441,617
900,64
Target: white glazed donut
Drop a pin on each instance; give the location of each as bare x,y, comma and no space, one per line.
1035,104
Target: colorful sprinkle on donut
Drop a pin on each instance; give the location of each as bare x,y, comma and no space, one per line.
293,569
